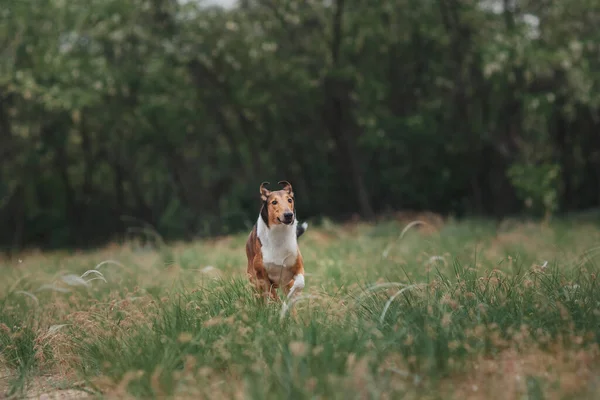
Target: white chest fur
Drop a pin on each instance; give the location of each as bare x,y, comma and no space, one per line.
279,247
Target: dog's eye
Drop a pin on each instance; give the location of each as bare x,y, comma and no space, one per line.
289,200
274,202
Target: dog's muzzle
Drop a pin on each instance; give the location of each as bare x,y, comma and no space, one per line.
288,218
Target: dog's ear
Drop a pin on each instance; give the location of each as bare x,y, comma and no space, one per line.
264,192
287,187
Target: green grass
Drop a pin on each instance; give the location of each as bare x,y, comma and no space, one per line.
18,346
460,311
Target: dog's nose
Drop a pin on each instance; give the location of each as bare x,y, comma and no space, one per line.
288,216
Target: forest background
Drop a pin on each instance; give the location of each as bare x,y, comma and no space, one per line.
117,116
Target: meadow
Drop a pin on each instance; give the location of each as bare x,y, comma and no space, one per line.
437,309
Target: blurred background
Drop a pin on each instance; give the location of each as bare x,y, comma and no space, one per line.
170,113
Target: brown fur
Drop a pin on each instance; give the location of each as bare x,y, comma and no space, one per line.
276,203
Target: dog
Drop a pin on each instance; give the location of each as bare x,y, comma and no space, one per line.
274,258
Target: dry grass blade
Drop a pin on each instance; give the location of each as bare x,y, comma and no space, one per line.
406,229
30,295
53,288
114,262
391,299
285,307
98,277
409,226
56,328
434,259
74,280
378,286
91,271
17,282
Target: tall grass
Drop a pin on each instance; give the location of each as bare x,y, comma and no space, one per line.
453,313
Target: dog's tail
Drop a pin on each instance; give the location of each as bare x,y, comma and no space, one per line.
300,229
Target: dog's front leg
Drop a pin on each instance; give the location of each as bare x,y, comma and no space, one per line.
271,291
294,288
265,286
259,277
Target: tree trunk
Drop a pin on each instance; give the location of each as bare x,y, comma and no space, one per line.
61,163
88,158
562,147
338,119
594,159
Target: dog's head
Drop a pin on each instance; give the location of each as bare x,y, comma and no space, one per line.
278,206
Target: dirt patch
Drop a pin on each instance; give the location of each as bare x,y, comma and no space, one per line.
535,374
48,387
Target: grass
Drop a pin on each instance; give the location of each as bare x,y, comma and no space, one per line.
440,310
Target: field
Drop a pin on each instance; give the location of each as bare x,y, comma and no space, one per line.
434,310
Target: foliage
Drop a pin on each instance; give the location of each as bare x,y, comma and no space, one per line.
537,186
171,113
